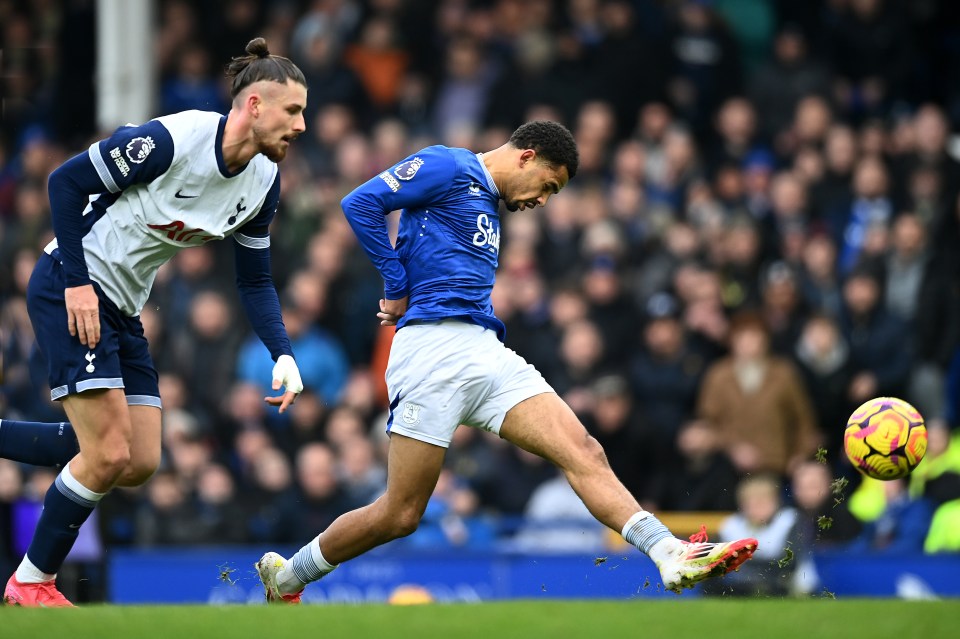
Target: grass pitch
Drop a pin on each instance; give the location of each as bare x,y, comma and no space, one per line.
703,619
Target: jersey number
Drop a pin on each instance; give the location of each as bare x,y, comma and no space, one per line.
176,232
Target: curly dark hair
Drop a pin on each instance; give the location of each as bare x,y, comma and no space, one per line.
552,142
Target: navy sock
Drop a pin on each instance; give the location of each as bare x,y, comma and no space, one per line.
38,443
65,508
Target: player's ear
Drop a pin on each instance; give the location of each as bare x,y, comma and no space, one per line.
527,155
254,104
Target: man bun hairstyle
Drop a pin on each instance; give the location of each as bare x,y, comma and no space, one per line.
552,141
259,64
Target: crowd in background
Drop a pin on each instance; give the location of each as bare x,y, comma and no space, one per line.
762,235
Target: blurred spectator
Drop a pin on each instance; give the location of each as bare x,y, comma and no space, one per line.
316,47
193,86
616,421
461,95
364,477
782,307
870,47
824,360
902,525
781,82
220,517
665,374
937,478
322,497
840,157
270,499
518,475
379,61
305,424
201,347
451,519
167,516
825,522
921,291
736,125
582,351
851,221
789,215
323,364
933,173
819,281
555,520
757,403
611,310
704,478
706,67
880,344
778,531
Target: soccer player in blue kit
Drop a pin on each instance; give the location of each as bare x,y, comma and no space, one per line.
448,365
120,211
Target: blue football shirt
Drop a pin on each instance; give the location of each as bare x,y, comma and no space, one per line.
448,243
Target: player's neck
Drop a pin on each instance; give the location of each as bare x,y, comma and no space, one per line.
497,162
238,144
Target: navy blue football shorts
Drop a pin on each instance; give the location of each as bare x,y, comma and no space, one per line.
121,358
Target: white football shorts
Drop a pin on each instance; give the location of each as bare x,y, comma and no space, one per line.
441,375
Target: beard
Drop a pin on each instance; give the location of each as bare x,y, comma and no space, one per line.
274,151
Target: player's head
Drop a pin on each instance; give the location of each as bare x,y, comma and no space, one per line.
272,91
548,159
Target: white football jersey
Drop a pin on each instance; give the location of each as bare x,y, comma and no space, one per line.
167,188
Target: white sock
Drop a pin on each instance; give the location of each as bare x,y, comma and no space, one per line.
307,565
649,535
664,549
74,484
27,573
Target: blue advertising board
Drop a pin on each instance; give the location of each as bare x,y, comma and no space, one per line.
226,575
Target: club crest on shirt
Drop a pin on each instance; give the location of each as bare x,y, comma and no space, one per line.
411,413
406,170
139,148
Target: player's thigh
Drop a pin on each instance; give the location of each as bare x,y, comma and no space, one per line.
99,417
512,381
141,385
413,468
546,426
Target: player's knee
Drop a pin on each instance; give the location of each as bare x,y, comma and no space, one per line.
406,522
110,460
591,452
138,471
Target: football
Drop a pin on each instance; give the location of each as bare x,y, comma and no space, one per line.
885,438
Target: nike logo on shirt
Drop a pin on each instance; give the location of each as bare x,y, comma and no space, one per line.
181,195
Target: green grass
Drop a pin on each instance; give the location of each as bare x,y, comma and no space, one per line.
703,619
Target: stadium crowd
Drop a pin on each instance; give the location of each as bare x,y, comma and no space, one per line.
763,234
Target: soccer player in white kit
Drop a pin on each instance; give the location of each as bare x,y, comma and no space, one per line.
448,365
120,211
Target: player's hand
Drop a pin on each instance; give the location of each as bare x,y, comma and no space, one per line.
286,374
83,314
392,310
